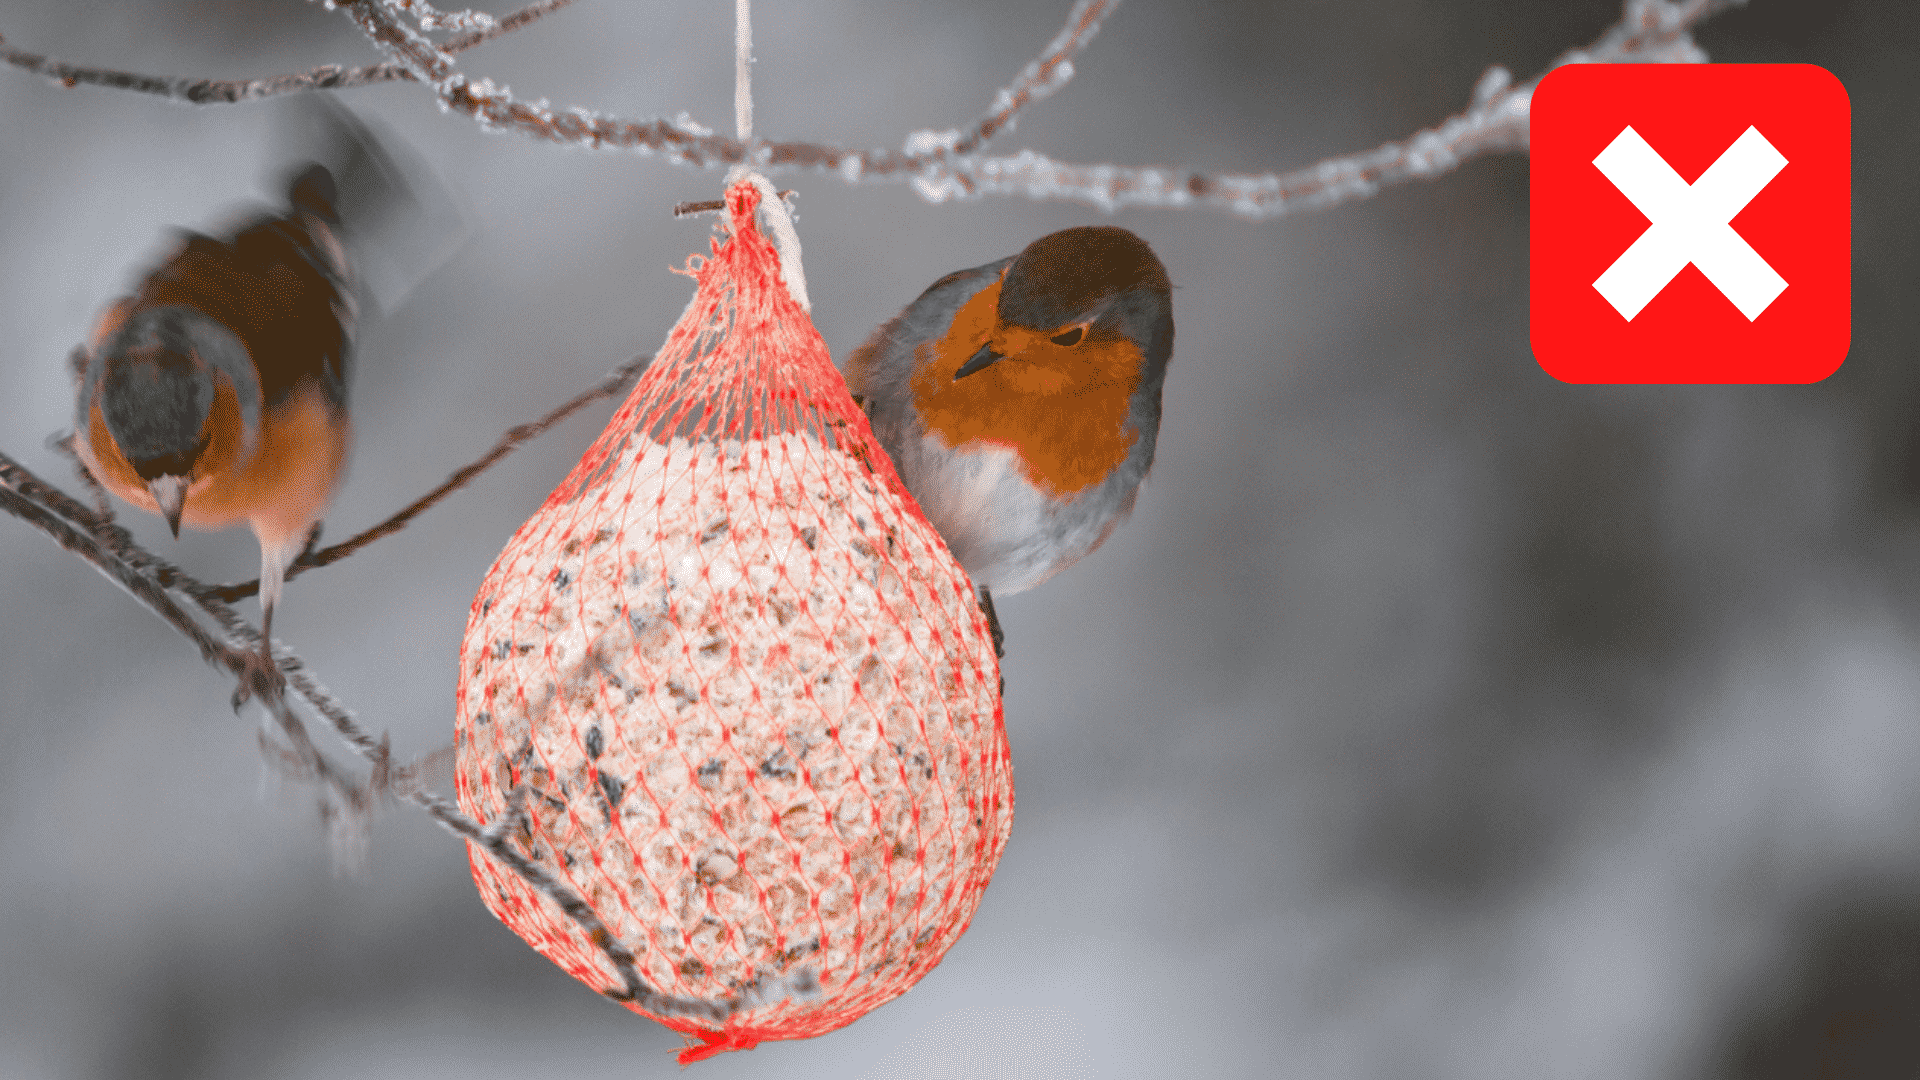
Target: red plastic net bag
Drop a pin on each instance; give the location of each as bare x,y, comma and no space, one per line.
730,689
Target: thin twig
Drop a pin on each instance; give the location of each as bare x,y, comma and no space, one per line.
403,45
138,585
505,24
1651,31
23,495
102,504
712,206
1050,71
231,91
203,91
616,380
432,18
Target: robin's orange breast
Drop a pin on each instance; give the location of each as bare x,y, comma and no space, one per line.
1062,409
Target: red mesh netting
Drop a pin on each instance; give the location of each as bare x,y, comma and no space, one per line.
743,694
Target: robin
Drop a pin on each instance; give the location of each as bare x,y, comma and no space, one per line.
216,394
1020,401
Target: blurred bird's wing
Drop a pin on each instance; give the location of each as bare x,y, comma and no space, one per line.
397,219
273,285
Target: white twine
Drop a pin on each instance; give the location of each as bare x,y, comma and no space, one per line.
775,217
742,69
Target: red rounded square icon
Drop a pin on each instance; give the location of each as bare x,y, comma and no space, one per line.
1691,223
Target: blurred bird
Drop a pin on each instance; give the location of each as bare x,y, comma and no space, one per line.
1020,401
216,394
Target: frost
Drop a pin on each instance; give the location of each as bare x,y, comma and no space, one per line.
684,121
936,185
431,18
1429,154
1061,73
1493,82
927,142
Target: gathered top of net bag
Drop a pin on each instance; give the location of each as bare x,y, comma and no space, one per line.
743,362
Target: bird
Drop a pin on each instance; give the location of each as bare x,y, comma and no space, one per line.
1020,402
216,393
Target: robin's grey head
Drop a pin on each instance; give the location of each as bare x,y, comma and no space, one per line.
1093,288
155,394
1101,275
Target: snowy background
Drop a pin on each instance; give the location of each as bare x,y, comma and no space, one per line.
1431,720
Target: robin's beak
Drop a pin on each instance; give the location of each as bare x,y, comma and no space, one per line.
170,492
979,361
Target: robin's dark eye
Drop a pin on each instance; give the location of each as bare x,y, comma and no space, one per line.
1070,338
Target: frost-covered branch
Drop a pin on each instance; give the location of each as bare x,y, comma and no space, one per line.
943,165
1650,31
230,91
347,805
1048,73
201,91
431,18
680,140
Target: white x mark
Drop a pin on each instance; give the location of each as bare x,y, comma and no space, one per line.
1690,223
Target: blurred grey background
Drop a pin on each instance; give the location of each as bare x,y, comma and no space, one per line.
1432,719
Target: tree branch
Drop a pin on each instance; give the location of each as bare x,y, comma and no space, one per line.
1046,74
202,91
141,587
121,561
506,24
1650,31
941,165
348,808
231,91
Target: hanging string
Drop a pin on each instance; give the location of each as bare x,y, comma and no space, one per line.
742,70
773,208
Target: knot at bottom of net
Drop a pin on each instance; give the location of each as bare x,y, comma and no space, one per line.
719,1042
